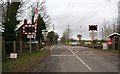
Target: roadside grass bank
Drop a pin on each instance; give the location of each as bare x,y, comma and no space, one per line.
109,52
25,61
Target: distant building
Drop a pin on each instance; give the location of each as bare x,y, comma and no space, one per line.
19,33
115,41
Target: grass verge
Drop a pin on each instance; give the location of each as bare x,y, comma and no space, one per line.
25,61
109,51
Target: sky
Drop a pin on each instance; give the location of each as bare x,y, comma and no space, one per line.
76,13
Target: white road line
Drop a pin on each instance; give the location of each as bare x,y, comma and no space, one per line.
51,48
84,63
61,55
71,51
79,59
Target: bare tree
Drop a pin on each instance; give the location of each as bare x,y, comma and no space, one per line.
41,10
67,34
3,10
108,28
118,19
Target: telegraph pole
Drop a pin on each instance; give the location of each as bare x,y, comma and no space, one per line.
68,33
93,37
102,33
53,34
80,34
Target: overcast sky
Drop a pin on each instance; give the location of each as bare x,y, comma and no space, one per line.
76,13
80,12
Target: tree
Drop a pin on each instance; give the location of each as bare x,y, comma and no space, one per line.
118,28
10,21
52,37
63,39
56,36
40,26
67,34
108,28
118,20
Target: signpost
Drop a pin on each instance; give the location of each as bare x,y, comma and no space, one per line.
13,55
93,34
30,31
79,36
44,32
30,36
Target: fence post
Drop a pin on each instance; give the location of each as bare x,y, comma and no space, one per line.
14,47
37,46
20,46
3,45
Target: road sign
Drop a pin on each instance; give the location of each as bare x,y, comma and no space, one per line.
79,36
33,42
105,46
30,36
13,55
109,42
93,33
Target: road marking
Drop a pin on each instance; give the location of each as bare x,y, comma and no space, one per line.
51,48
84,63
71,51
79,59
59,47
62,55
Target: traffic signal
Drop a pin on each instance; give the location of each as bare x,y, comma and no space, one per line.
92,27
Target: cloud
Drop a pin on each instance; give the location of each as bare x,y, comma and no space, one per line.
80,12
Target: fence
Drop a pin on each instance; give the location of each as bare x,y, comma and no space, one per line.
18,47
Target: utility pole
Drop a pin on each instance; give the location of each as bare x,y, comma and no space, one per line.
93,37
53,34
102,33
80,35
68,33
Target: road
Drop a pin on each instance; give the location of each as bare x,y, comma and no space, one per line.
78,59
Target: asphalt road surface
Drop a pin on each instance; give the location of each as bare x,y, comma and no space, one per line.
78,59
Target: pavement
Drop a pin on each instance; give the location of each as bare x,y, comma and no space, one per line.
77,59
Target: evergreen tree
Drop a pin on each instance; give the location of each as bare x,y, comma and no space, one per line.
40,26
10,21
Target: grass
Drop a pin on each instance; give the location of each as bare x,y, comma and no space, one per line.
25,61
111,51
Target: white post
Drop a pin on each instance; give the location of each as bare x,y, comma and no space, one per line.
93,37
30,45
37,46
14,46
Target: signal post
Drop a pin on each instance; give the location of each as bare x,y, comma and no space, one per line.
93,28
